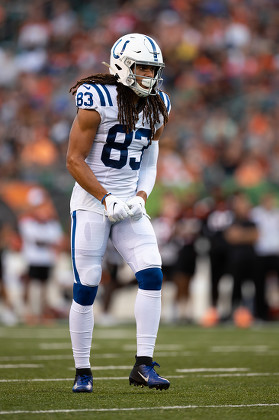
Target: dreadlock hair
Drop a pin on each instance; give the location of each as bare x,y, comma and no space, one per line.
129,108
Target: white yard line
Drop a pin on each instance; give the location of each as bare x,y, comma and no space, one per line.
197,370
232,349
103,356
107,356
119,378
21,365
38,357
175,407
33,335
54,346
60,346
16,333
159,347
212,370
58,357
106,378
94,356
173,353
220,375
112,367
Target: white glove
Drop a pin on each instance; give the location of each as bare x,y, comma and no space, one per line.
137,207
116,209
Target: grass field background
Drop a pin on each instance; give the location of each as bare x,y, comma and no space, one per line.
219,373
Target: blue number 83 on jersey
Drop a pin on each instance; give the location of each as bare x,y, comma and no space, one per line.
112,144
86,101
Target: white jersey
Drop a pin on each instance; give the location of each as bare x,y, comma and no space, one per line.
267,222
115,156
39,241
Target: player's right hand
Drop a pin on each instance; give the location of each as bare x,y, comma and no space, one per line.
116,209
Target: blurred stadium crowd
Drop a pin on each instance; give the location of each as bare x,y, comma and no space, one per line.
222,62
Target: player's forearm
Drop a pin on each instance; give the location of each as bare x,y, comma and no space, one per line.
148,170
84,176
142,194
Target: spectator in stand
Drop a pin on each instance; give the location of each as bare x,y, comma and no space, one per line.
266,217
242,236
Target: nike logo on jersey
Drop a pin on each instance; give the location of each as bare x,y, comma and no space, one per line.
146,378
87,87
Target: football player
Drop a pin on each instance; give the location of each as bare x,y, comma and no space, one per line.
112,155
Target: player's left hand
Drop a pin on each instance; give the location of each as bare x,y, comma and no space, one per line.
137,207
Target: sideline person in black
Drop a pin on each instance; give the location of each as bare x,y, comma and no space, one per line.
242,236
218,220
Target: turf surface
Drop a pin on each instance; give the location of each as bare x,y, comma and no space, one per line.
219,373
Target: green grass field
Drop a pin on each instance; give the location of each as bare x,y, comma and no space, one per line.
219,373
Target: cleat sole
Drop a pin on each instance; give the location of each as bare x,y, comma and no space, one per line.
157,387
136,383
160,387
82,390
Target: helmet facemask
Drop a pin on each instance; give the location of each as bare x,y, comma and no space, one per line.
151,85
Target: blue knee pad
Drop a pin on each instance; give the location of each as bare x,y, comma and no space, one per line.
150,279
84,295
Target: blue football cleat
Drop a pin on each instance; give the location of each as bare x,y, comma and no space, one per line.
144,375
83,383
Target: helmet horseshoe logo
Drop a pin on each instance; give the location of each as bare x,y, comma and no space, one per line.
153,47
123,48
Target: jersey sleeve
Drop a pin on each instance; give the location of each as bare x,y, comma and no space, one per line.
90,96
165,97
